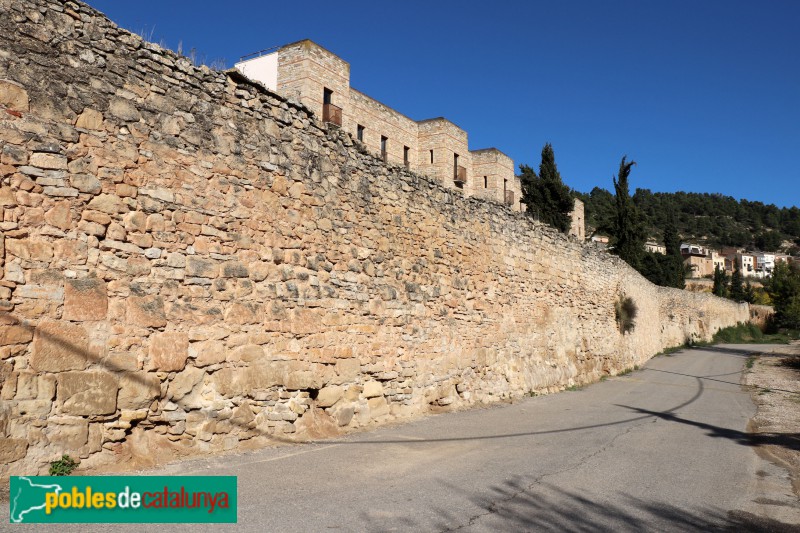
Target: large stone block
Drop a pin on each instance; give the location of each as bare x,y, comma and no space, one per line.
13,96
15,334
146,311
67,434
378,407
168,351
86,183
60,346
201,268
292,375
234,269
30,249
88,393
305,321
59,215
85,299
90,119
48,161
183,383
108,203
12,450
372,389
123,109
243,313
137,390
248,353
208,352
329,395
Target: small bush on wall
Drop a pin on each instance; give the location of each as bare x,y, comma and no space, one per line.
625,309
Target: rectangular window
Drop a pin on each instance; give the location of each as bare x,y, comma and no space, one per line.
360,132
405,156
384,155
327,95
431,157
485,182
459,173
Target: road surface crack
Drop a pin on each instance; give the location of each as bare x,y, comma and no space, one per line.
495,506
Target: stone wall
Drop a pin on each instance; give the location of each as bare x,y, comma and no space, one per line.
577,227
446,140
379,120
494,174
305,70
191,264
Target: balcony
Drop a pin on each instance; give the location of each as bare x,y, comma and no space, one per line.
509,200
460,175
332,114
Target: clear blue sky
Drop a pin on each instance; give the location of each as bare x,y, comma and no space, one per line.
704,95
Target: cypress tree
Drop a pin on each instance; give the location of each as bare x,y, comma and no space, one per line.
749,293
784,289
737,288
676,276
720,282
629,232
545,195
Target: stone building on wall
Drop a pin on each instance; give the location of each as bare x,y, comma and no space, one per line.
435,147
577,226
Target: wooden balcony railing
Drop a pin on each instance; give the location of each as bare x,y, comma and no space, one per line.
332,114
460,175
509,198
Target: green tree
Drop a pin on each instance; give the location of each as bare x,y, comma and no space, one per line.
769,241
628,232
652,267
737,287
545,195
674,271
720,282
784,289
749,293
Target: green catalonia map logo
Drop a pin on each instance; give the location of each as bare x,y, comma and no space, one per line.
122,499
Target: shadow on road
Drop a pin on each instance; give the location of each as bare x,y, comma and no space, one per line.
519,505
790,441
729,350
710,378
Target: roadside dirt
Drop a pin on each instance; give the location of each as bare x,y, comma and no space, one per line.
774,383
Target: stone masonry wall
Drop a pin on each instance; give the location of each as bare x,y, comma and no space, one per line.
305,70
379,120
190,264
498,171
445,139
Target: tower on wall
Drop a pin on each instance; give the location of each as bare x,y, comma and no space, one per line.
578,223
319,79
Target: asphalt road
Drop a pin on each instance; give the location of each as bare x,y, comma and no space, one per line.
664,448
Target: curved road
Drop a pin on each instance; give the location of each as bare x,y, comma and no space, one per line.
664,448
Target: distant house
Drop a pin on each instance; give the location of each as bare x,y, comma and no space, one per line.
655,248
693,249
764,264
746,262
698,260
717,260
